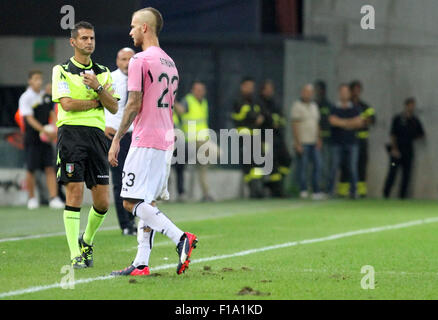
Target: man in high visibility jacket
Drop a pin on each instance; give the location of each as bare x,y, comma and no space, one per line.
369,117
247,116
193,109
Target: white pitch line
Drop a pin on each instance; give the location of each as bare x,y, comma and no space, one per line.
48,235
241,253
198,218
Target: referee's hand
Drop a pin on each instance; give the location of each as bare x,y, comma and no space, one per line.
91,80
113,153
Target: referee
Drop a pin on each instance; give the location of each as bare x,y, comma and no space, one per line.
120,78
82,87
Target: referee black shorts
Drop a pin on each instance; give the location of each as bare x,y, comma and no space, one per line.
39,156
82,156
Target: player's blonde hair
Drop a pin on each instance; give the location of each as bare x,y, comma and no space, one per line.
145,15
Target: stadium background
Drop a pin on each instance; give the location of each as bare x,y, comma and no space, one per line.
220,41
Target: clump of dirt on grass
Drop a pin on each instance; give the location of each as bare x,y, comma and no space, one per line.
246,268
207,268
155,275
227,269
339,276
132,281
248,291
266,281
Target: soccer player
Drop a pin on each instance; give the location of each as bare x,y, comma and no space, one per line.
152,85
83,89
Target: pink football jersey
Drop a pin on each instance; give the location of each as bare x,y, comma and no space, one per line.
154,73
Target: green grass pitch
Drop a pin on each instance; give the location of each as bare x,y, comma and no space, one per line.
276,249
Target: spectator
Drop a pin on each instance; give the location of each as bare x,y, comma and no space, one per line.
345,121
247,116
275,120
325,105
120,82
194,108
405,129
307,141
36,108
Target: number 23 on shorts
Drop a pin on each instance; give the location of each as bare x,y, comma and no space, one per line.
130,178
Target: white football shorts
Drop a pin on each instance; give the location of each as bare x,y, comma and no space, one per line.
146,174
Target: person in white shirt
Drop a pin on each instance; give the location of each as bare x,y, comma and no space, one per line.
307,141
36,108
120,84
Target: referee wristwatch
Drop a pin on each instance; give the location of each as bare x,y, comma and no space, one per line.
99,89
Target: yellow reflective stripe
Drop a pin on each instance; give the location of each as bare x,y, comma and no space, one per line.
275,117
278,120
362,188
363,134
275,177
284,170
247,131
370,112
343,188
244,130
242,113
255,173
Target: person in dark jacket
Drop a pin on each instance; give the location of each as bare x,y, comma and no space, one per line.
405,129
368,115
275,120
247,116
345,121
325,105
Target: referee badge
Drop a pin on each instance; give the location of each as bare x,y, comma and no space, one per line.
70,167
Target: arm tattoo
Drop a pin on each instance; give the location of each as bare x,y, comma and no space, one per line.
131,111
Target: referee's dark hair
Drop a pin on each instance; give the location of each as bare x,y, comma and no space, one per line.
80,25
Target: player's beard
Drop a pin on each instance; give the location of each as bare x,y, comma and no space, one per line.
137,42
